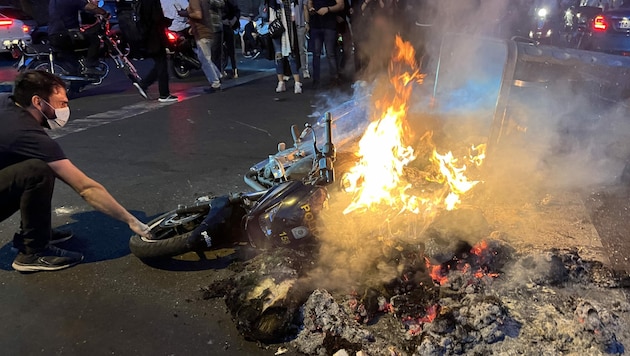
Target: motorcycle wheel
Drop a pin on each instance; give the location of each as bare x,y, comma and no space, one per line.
171,231
180,70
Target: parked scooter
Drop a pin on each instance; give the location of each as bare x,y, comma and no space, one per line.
72,69
182,50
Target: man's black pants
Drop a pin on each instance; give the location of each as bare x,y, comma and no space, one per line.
28,187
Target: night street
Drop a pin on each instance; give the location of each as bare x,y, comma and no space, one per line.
153,156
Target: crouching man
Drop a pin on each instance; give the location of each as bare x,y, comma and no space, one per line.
31,161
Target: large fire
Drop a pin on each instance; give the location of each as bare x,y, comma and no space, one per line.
378,177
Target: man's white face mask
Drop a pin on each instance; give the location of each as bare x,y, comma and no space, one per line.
59,120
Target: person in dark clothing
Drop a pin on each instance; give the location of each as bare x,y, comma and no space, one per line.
323,29
63,17
251,39
153,19
31,161
231,23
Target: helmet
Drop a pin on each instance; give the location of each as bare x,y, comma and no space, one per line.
286,215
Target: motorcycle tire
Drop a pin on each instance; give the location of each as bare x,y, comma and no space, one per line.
170,231
180,69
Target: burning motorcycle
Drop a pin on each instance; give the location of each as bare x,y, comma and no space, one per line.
181,48
283,215
72,70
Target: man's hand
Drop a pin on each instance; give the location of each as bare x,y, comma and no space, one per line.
141,229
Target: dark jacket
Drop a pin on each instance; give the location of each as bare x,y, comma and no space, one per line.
152,16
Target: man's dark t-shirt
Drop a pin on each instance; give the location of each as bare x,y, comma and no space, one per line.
22,137
64,15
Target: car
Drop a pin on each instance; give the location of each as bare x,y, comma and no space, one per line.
610,31
15,24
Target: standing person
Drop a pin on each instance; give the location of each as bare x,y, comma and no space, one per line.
231,22
285,45
216,9
31,161
153,19
323,29
301,23
202,24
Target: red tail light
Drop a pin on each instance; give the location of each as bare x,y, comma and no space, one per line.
171,36
599,23
26,29
6,22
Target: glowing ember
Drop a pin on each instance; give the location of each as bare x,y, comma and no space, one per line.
377,179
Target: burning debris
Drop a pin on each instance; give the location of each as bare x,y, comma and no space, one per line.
405,265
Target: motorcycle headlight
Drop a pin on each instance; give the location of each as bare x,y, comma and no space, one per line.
542,12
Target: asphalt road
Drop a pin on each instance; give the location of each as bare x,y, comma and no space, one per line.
151,157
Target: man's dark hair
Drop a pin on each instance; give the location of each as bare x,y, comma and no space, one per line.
35,82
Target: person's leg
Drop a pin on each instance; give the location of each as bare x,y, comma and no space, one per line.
151,77
295,71
301,37
28,186
330,41
317,36
279,61
161,66
204,53
216,48
228,37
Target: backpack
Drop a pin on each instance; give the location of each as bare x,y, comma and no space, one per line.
130,19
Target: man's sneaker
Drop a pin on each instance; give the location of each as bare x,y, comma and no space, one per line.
281,87
59,236
211,89
306,74
256,54
51,259
298,88
167,99
141,90
247,55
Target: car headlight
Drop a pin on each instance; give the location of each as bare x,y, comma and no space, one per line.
542,12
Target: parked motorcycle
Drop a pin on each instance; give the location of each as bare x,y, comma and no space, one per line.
72,70
182,50
283,215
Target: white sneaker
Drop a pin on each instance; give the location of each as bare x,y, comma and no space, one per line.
306,74
298,88
281,87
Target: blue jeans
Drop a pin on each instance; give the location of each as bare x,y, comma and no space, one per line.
324,37
277,45
204,53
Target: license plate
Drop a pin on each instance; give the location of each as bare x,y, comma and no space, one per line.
625,24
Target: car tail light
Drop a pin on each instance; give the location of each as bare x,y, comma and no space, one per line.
26,29
6,22
171,36
599,23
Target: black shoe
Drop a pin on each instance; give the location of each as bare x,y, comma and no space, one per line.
142,90
51,259
167,99
59,236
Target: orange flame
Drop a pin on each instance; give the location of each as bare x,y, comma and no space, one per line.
377,178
